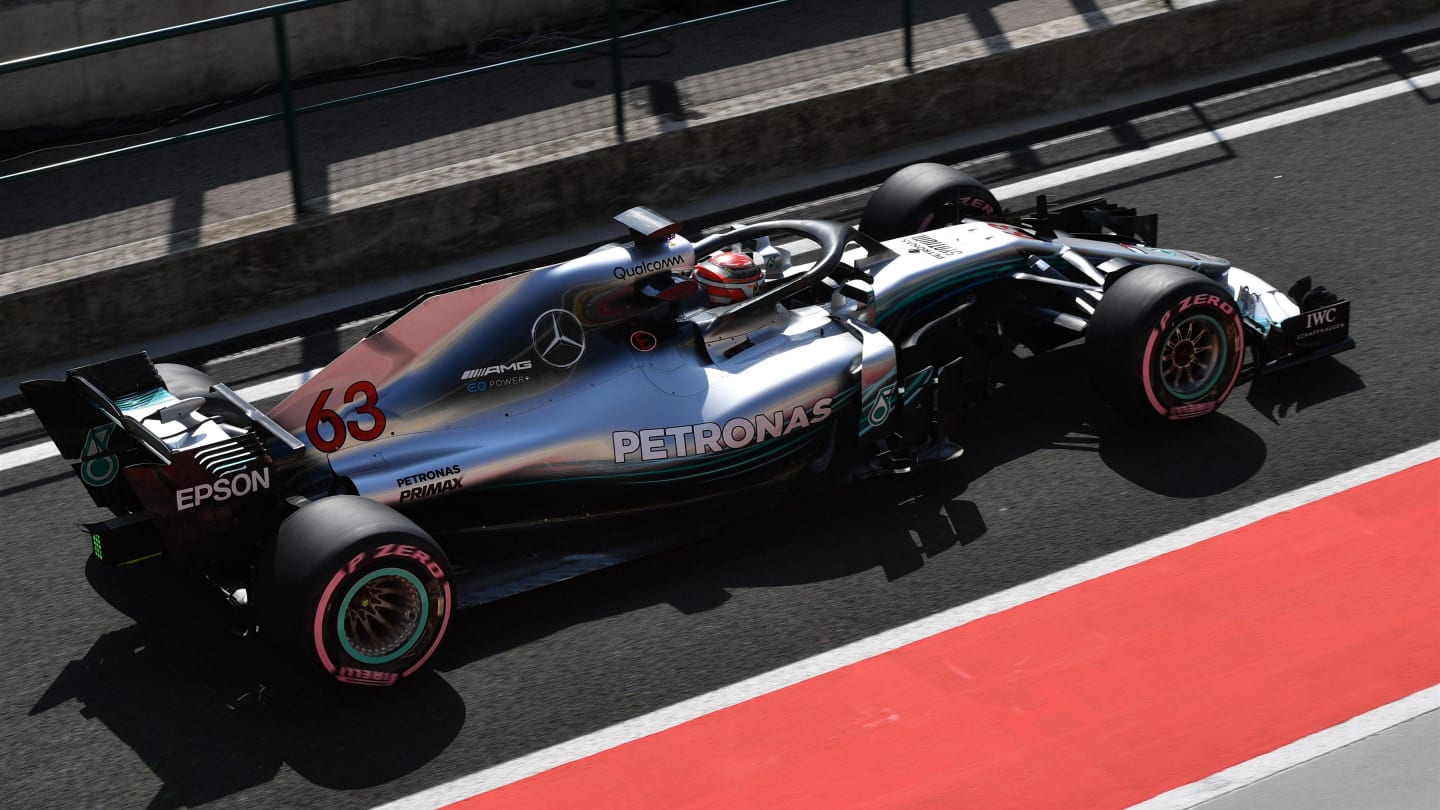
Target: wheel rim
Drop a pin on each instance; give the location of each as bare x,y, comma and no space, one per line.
382,616
1192,357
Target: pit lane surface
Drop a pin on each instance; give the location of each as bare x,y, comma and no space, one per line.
134,697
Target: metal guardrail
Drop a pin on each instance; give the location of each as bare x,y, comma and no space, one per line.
290,112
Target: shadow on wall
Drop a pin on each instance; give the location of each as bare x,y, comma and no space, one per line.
554,93
178,189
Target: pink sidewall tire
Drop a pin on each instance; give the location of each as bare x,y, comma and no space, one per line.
355,589
1165,345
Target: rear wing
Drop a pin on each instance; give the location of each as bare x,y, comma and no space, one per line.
118,415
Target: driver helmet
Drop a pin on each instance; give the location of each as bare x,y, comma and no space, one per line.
728,277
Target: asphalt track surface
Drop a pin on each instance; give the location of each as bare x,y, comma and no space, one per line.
123,689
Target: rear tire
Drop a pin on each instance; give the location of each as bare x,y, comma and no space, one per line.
923,197
356,589
1165,343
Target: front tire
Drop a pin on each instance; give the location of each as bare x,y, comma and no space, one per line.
1165,343
923,197
356,589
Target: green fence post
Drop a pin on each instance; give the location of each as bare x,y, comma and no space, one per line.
909,14
292,144
616,75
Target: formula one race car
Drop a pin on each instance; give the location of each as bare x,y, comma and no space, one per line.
411,474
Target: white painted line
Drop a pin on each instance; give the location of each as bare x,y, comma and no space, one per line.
1297,753
45,450
291,341
1023,188
1035,185
685,711
277,387
27,455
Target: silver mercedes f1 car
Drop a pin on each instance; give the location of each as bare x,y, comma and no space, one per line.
511,432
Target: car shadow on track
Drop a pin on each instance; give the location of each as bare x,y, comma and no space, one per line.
1291,391
894,524
1178,460
212,714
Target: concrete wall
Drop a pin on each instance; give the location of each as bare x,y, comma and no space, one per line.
215,64
84,306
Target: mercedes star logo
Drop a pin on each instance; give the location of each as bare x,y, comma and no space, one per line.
559,338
